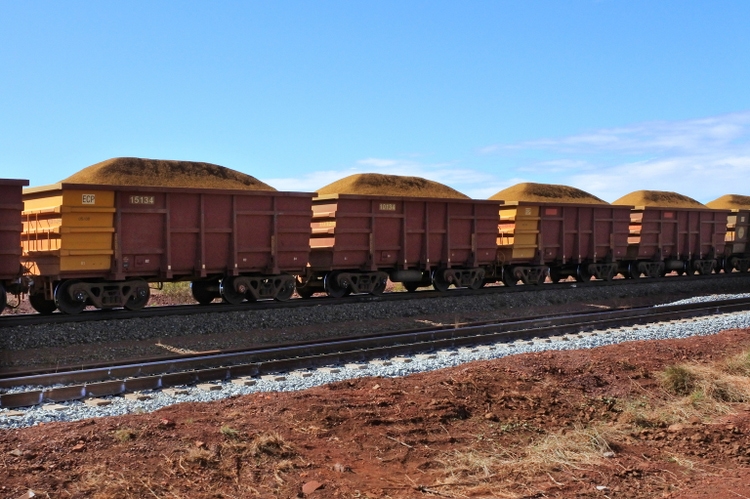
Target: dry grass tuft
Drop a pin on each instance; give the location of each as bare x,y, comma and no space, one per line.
738,365
124,434
174,292
565,450
702,390
572,449
271,444
201,456
230,432
678,380
715,383
102,483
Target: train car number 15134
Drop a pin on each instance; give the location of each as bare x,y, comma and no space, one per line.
141,199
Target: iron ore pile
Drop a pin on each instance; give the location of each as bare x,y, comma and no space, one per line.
165,173
390,185
664,199
546,193
730,202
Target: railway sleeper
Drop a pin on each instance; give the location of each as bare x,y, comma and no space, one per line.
527,274
73,296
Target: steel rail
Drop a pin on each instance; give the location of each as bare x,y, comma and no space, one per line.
12,320
118,380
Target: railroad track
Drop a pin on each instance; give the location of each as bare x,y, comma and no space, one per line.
153,374
11,320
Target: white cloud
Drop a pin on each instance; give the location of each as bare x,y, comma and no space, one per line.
688,135
471,182
702,158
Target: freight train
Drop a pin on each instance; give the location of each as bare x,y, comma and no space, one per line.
99,239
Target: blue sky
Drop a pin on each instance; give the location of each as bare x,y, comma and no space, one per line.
609,96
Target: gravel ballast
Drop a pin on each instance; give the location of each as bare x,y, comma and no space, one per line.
78,410
78,343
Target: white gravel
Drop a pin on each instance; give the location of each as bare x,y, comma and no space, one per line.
77,410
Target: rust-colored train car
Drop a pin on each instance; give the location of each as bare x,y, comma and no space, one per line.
360,241
558,230
737,250
11,204
569,239
671,232
100,245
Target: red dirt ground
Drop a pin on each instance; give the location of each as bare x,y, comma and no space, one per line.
508,428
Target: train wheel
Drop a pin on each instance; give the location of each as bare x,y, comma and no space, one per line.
140,296
3,298
439,282
229,294
201,291
304,289
333,287
477,283
411,286
286,291
633,271
610,274
662,271
509,279
379,288
554,274
582,273
68,304
41,304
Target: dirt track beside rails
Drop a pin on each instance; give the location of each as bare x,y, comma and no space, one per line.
595,423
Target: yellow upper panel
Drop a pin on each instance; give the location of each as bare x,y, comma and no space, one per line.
87,199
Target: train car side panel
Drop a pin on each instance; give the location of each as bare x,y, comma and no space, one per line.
11,204
67,230
736,249
676,239
577,239
188,233
385,233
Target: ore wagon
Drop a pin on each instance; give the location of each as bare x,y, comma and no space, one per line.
11,205
737,250
558,230
102,244
359,242
672,232
368,228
